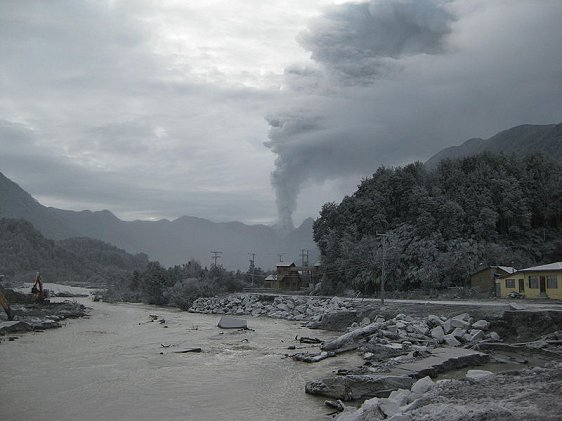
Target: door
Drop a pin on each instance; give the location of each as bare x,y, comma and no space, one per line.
521,286
542,285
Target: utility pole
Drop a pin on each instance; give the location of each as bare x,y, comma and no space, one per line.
253,265
304,255
216,256
382,268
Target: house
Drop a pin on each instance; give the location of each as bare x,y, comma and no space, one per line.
484,280
271,282
288,276
535,282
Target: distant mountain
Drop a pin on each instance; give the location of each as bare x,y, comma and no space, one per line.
24,250
519,140
170,242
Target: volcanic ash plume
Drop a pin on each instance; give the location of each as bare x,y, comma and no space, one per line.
394,81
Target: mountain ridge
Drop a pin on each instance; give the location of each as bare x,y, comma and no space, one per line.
168,241
519,140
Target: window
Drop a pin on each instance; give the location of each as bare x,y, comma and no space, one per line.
510,283
551,282
533,282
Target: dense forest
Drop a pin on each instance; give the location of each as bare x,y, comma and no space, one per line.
24,251
439,226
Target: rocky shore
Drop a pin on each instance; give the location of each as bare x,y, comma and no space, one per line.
40,316
347,314
401,352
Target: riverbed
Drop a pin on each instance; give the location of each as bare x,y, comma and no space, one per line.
117,364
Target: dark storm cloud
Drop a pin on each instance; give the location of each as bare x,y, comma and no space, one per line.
395,81
136,194
359,41
87,94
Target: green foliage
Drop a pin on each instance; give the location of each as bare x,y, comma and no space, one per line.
441,225
24,251
178,286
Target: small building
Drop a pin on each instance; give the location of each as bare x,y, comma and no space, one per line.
484,280
271,282
535,282
288,277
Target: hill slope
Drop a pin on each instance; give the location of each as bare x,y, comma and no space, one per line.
24,250
519,140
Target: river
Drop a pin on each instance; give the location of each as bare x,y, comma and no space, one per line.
112,366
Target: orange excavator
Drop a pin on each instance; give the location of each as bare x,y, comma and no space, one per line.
37,288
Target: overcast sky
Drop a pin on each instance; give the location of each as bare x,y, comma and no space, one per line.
217,108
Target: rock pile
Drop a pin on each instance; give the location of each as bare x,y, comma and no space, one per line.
296,308
395,407
455,331
460,330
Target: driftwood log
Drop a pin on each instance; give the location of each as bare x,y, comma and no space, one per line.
349,338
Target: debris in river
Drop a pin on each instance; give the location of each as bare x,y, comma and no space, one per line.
307,340
231,323
337,405
185,351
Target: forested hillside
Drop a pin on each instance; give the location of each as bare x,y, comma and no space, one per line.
24,250
443,224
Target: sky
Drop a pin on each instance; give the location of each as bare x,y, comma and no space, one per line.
257,111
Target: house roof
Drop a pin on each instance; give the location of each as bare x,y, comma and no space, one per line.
285,264
507,269
271,278
544,268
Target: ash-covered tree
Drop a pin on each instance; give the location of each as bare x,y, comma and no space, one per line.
485,209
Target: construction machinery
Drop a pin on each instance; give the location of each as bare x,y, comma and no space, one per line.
6,306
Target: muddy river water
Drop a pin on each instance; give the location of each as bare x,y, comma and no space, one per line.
112,366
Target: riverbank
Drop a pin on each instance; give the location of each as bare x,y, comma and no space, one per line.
403,341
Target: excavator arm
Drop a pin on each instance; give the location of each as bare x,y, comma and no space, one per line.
6,306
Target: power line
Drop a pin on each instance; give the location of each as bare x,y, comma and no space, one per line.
253,265
216,256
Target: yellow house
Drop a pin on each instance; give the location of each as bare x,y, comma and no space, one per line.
535,282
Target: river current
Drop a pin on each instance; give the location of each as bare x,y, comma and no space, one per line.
117,365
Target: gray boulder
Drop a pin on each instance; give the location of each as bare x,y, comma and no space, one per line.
438,334
481,324
451,340
422,385
357,386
